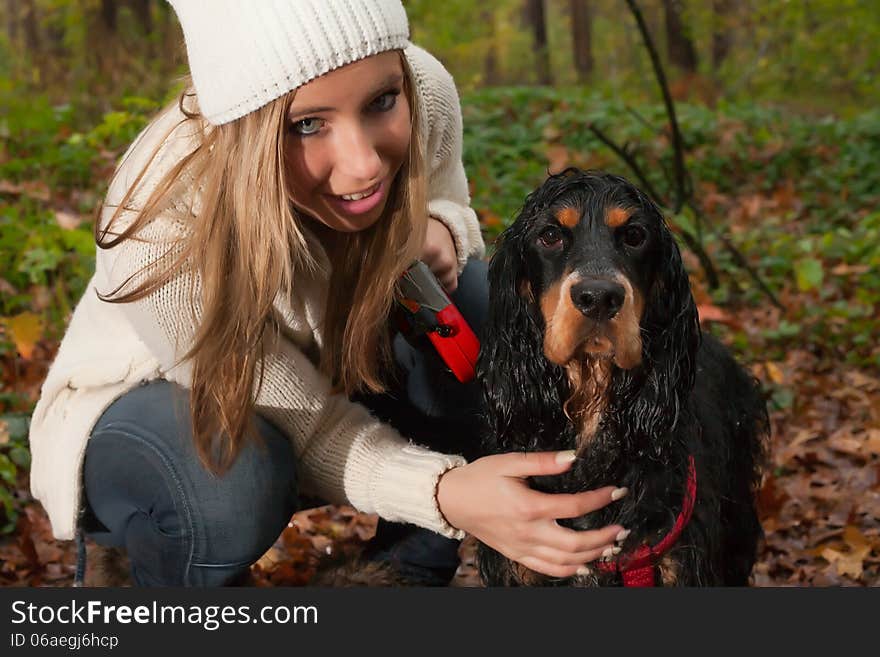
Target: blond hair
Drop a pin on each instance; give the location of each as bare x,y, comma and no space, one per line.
248,246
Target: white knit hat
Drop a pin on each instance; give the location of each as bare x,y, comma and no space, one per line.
246,53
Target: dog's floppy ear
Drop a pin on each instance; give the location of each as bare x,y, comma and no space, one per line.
672,333
520,386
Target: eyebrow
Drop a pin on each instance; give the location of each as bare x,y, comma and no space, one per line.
390,81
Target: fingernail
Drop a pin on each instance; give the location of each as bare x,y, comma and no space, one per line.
610,552
617,493
583,570
567,456
622,534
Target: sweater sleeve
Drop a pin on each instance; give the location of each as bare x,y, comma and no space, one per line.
343,453
448,195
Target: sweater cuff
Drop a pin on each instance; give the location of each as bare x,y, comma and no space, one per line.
462,223
414,471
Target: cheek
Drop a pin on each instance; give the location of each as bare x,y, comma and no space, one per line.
397,135
305,168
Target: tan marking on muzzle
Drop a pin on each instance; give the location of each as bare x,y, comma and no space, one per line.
617,216
569,217
564,324
626,327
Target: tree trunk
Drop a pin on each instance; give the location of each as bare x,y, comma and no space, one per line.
108,15
141,10
31,27
491,75
12,21
722,36
679,46
535,14
582,37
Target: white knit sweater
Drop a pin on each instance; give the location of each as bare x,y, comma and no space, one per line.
343,453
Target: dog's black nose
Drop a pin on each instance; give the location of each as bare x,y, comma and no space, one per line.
598,299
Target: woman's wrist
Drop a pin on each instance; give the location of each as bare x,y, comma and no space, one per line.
441,496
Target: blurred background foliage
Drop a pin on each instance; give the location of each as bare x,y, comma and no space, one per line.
777,103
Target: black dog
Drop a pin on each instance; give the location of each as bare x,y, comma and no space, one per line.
593,343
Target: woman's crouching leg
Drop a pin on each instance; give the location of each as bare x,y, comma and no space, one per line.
147,491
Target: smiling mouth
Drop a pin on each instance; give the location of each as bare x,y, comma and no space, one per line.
357,196
358,203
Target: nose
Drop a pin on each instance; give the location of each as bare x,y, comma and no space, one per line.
357,156
598,299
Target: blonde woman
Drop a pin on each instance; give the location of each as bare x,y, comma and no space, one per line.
234,349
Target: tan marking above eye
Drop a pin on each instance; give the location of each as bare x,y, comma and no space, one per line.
617,216
568,217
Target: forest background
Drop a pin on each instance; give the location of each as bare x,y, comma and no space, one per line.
768,175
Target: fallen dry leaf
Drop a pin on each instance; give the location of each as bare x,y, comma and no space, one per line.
775,373
67,219
710,313
25,329
558,158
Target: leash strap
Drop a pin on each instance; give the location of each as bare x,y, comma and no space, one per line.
638,570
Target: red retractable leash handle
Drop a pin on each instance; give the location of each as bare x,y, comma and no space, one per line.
427,309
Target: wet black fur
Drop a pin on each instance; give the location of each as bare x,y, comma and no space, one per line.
688,396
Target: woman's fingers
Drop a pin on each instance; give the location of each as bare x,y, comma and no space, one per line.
445,272
529,464
552,569
566,552
440,255
562,558
572,541
520,522
450,281
574,505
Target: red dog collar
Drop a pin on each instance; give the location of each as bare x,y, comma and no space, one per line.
638,569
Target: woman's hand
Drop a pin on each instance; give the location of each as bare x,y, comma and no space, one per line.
490,499
439,254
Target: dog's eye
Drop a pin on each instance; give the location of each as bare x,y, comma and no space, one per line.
551,236
634,236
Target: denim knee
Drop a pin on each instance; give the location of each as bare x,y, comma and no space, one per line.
180,524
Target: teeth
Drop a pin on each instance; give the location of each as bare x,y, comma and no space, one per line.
359,195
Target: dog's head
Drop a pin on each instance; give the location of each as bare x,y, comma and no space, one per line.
588,299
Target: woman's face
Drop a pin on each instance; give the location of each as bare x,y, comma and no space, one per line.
348,133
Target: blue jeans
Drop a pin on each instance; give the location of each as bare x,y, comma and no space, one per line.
146,490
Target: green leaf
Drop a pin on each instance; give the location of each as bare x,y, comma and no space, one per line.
7,511
7,470
782,398
809,274
20,457
684,221
16,425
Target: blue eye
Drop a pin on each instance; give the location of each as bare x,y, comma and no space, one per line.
309,126
385,102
